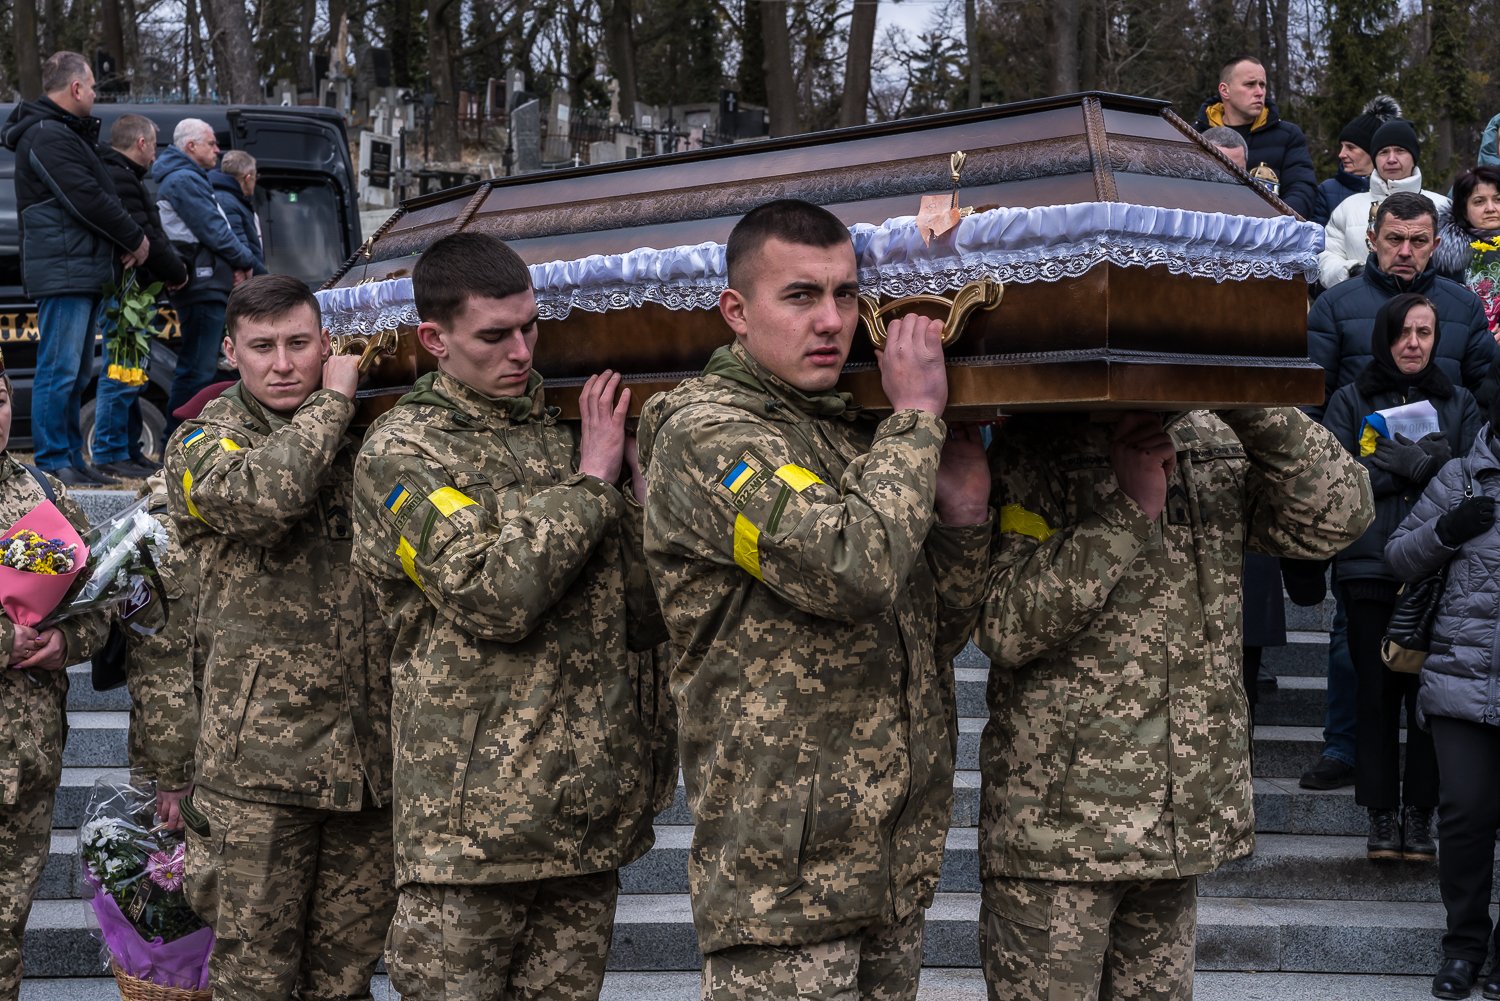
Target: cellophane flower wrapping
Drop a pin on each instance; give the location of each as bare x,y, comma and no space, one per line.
133,878
29,596
130,545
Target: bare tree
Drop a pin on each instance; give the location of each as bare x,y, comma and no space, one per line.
1063,41
229,28
619,46
781,87
853,109
442,47
28,58
971,48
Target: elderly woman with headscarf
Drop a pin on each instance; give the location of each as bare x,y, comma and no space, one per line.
1401,371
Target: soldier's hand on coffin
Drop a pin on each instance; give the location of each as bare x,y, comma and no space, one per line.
604,406
341,375
1144,458
1405,458
963,478
912,370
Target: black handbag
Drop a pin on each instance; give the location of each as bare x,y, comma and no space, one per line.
1408,636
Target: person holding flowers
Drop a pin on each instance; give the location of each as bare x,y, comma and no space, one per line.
289,822
33,720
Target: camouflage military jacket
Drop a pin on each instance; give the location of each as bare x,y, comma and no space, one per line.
165,676
33,717
817,608
521,748
1118,745
296,682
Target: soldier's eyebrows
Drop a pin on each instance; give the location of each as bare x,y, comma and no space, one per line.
535,315
808,285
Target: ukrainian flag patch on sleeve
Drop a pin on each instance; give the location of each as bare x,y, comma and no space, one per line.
744,477
396,498
196,438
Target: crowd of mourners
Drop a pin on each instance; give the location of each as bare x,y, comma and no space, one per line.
425,684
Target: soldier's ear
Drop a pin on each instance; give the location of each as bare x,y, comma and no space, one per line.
732,308
431,337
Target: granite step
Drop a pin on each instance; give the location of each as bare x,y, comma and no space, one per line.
1295,701
83,698
938,984
1304,656
1287,751
74,790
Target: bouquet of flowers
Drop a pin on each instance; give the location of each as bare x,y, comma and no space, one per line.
133,875
120,553
41,557
128,312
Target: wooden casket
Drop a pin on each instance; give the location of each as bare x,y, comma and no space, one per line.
1139,267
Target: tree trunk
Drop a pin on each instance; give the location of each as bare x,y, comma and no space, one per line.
112,38
307,79
193,61
234,57
854,108
619,46
781,88
440,48
131,33
1088,62
971,46
1064,43
28,58
52,20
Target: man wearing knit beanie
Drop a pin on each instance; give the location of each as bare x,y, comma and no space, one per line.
1394,149
1355,162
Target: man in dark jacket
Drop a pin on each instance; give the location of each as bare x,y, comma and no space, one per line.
1241,105
234,186
73,228
117,413
217,260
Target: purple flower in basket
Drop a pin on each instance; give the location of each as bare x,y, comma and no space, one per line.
166,869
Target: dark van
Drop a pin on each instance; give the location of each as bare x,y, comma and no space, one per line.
306,196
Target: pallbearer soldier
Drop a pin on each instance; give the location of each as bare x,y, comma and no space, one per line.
505,552
292,857
1116,762
818,599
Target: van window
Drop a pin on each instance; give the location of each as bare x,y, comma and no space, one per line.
10,225
302,231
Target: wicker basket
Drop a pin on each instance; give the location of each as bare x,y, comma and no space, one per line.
136,989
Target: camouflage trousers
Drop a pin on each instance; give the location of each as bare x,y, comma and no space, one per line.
25,835
1041,940
545,938
878,964
299,898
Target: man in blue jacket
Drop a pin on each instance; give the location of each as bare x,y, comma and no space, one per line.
1241,105
234,187
217,259
73,229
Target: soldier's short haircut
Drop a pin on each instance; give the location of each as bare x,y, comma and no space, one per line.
128,129
461,265
268,297
187,130
61,69
1226,72
1406,206
237,163
786,219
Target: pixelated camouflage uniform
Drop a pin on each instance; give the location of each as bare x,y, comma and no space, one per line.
817,605
293,756
526,765
33,730
165,673
1118,742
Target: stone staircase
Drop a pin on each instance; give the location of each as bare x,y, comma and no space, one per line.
1306,905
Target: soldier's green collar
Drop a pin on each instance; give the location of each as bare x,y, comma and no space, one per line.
734,363
268,419
439,390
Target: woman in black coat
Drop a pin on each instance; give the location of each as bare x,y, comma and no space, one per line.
1403,345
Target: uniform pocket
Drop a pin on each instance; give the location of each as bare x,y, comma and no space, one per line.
461,772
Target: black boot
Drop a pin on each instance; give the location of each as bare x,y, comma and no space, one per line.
1416,837
1491,987
1455,979
1385,835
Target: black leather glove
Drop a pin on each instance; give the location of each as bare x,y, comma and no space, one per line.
1435,445
1404,458
1472,518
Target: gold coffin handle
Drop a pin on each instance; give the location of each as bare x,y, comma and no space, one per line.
983,294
